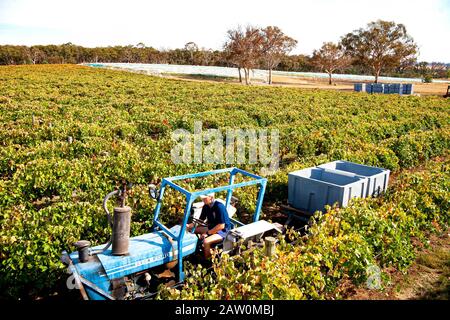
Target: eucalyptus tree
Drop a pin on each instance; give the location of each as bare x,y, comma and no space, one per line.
381,46
330,58
275,46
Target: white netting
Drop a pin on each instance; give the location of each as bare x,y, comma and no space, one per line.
159,69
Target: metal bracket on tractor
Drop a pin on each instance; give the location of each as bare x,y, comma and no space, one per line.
134,267
447,95
294,213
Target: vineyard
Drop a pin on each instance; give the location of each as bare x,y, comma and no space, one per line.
340,246
71,134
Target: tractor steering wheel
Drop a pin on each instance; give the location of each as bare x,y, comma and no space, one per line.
198,222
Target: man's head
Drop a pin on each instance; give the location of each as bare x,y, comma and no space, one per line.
208,199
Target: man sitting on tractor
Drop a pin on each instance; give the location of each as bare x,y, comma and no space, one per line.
218,223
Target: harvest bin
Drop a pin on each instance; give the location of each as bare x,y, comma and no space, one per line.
387,88
311,189
378,178
359,87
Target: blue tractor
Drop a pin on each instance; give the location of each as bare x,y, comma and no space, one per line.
131,268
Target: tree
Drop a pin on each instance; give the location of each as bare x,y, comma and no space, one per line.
233,47
36,55
244,49
275,45
383,45
438,69
331,57
127,54
422,68
296,63
69,53
192,48
205,56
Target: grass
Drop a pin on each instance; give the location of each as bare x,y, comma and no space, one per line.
428,278
436,262
206,77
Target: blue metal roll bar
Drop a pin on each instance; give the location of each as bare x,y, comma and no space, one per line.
191,196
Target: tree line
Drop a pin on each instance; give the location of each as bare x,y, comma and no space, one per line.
380,48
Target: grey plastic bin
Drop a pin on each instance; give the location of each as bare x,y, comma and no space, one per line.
395,88
377,88
311,189
378,178
407,88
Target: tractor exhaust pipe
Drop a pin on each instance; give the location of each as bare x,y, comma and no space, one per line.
121,231
120,224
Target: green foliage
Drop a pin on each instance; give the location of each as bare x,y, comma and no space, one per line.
427,78
120,123
414,148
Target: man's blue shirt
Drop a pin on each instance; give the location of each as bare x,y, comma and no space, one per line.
216,214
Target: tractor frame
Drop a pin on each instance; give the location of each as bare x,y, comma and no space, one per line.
191,196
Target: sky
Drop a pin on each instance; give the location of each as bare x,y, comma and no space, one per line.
172,23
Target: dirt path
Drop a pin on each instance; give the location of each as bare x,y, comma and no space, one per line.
347,85
428,277
438,89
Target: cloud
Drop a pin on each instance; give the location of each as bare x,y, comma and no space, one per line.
173,23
